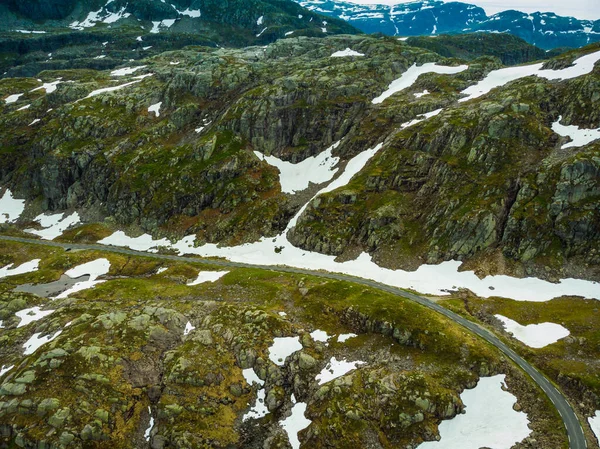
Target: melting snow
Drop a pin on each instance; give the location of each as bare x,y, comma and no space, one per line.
579,136
157,26
422,94
31,315
49,87
320,336
593,420
36,341
161,270
54,225
12,98
346,52
144,242
10,208
427,279
421,118
208,276
497,427
295,423
297,177
111,89
259,409
22,108
534,335
501,77
344,337
93,269
409,77
27,267
260,20
283,347
127,70
150,425
336,368
5,369
155,108
188,328
251,377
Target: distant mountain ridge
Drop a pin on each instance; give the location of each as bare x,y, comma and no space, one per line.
433,17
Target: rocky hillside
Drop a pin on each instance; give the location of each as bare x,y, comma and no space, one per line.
170,147
60,34
434,17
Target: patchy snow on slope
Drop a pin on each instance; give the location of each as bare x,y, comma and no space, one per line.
259,409
534,335
421,94
409,78
297,177
49,87
127,70
345,337
501,77
13,98
260,20
579,136
27,267
36,341
100,16
54,225
150,425
251,377
10,208
193,13
320,336
594,424
22,108
208,276
5,369
31,315
283,347
106,90
161,270
336,368
37,120
497,427
345,53
295,423
155,108
188,328
421,118
144,242
93,269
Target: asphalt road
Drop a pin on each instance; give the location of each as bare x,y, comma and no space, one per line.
573,427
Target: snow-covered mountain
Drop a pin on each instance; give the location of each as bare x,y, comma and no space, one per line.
432,17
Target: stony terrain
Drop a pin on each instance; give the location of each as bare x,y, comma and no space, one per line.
146,360
486,179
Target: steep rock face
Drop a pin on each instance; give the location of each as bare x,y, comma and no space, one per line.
487,175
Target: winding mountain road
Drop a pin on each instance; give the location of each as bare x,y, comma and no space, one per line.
573,427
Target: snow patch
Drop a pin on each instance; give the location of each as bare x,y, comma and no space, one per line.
10,208
259,409
251,377
297,177
93,269
127,70
320,336
409,77
295,423
581,66
27,267
422,94
579,136
155,108
31,315
534,335
13,98
54,225
36,341
497,427
283,347
208,276
336,368
144,242
593,420
345,337
188,328
150,425
5,369
49,87
345,53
